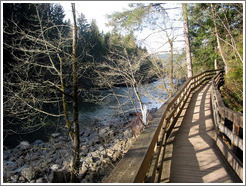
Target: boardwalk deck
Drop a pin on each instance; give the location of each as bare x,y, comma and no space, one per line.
192,154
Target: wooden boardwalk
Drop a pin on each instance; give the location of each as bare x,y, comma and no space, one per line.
181,145
191,153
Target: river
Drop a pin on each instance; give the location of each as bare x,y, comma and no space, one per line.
104,112
151,95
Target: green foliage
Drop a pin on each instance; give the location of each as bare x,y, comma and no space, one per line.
203,43
204,46
233,88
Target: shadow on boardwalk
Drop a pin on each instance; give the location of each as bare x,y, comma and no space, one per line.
193,154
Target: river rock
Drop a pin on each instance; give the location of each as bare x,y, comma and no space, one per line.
84,149
37,142
117,146
110,152
93,167
93,138
28,173
18,170
24,145
82,139
127,133
95,154
20,161
153,110
100,148
54,135
110,133
127,145
14,178
41,180
54,167
115,156
10,165
89,178
102,133
86,133
59,176
83,169
89,160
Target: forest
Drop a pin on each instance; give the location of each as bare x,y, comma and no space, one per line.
52,67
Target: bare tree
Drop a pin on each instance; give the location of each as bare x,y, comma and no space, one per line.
39,84
123,68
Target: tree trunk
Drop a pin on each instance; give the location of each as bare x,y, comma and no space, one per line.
75,137
218,40
142,108
171,68
187,41
215,64
215,60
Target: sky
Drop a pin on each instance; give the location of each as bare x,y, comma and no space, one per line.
95,10
99,9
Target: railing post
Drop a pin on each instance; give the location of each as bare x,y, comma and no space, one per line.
235,131
221,115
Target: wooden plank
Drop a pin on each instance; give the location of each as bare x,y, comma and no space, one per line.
166,168
234,138
235,117
192,147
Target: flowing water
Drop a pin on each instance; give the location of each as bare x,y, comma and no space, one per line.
152,95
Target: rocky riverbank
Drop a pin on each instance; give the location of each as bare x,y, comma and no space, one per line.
40,162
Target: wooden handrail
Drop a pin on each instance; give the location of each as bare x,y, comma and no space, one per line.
142,163
227,123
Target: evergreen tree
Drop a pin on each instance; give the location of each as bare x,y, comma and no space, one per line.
216,40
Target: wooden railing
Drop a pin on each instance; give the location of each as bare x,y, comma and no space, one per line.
143,161
229,128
